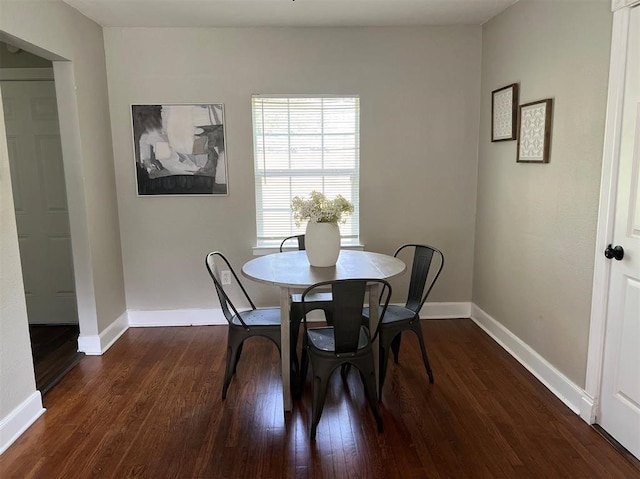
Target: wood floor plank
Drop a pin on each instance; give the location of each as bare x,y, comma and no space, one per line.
151,407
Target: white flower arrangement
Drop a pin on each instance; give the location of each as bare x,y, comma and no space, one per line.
319,209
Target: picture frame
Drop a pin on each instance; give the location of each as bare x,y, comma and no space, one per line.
180,149
504,111
534,131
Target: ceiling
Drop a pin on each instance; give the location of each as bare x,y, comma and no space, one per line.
286,13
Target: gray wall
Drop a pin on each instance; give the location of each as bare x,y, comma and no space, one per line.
55,31
17,381
421,107
20,59
419,90
536,223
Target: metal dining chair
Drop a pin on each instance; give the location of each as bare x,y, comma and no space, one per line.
299,240
242,326
426,268
346,342
318,300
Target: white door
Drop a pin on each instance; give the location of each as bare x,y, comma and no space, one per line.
620,395
37,178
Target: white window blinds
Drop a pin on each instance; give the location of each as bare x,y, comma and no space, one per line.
303,144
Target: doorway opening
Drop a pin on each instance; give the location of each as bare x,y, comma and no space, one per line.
42,218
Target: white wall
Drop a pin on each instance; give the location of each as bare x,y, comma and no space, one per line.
536,223
419,90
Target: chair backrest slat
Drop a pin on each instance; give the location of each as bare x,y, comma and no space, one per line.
222,296
228,308
426,267
348,300
346,309
298,238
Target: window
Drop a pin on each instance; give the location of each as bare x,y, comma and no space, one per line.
303,144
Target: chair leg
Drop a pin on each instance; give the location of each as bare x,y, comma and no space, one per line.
344,371
295,363
304,367
395,347
383,359
232,355
294,331
296,373
423,349
237,360
370,387
319,394
328,315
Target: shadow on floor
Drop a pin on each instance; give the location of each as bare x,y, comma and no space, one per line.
55,352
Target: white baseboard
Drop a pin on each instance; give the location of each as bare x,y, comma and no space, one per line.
574,397
588,408
214,316
445,310
176,317
97,345
19,420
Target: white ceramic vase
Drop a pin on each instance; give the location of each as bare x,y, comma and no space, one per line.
322,242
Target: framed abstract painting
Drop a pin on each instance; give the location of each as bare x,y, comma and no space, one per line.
180,149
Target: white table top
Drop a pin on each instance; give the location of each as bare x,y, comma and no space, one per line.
291,269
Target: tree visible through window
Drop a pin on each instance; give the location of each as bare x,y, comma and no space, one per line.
303,144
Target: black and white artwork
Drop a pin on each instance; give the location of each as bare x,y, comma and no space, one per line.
180,149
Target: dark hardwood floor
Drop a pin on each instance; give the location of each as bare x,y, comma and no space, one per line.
151,408
55,352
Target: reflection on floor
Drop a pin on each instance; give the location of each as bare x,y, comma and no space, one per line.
55,352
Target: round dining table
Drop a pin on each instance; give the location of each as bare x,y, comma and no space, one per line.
292,273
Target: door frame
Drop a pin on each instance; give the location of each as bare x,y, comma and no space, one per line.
63,76
590,408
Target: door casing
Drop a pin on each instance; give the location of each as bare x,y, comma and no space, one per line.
606,211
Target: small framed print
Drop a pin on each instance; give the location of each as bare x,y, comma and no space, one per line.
504,109
534,132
